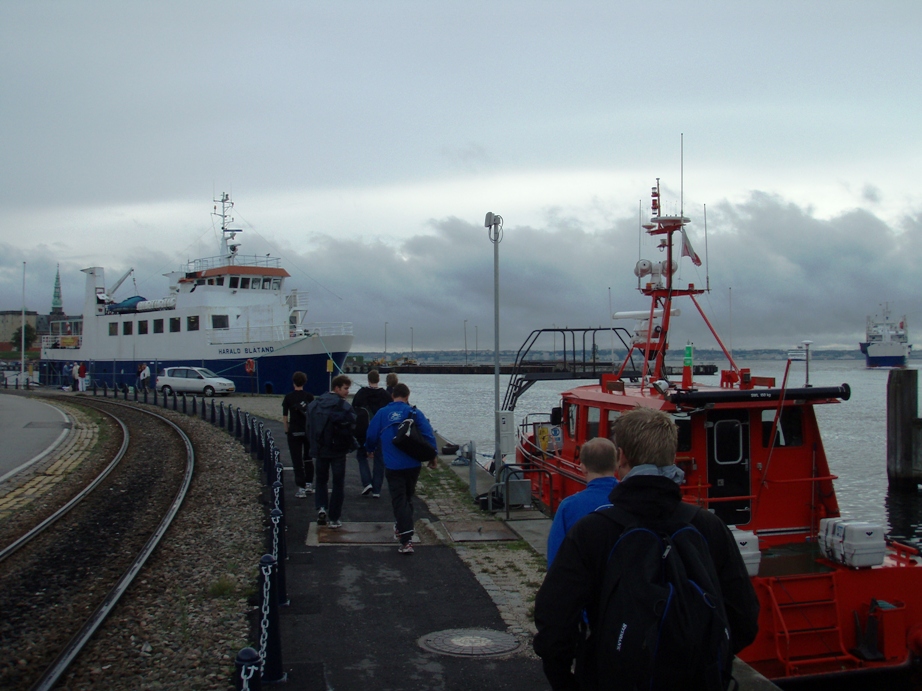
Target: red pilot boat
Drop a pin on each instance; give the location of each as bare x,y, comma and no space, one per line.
837,597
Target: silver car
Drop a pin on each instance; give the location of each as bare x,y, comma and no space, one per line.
193,380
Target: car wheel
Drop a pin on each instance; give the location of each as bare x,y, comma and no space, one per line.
209,391
167,390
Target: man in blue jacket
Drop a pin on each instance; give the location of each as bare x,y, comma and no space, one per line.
400,470
597,458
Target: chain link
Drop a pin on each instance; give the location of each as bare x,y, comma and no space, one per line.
275,537
247,674
264,624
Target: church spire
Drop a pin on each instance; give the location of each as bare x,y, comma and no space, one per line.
56,303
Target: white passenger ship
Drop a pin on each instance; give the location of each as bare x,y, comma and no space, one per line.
229,313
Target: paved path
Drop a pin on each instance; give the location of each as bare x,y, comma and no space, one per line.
28,429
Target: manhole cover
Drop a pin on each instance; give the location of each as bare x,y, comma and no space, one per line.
470,643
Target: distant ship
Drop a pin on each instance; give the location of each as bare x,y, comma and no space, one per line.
229,313
886,341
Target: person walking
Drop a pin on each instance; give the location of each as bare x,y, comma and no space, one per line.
145,377
400,470
366,403
332,429
294,419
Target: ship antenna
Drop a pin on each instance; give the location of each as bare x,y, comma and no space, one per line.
707,263
682,176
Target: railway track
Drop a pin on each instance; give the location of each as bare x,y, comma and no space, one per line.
60,579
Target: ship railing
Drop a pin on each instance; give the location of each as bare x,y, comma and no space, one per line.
278,332
61,342
238,260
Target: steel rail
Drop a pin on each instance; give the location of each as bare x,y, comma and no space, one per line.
57,668
53,518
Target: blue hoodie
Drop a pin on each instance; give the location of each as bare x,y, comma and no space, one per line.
381,431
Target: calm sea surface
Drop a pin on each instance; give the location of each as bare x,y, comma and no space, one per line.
854,432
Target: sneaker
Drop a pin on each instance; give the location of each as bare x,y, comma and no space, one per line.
366,491
322,517
301,493
309,488
406,549
336,524
375,495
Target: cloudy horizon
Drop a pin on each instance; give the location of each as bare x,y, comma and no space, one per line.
364,143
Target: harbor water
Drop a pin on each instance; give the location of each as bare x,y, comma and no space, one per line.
854,432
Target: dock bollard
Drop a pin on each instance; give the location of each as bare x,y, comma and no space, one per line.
270,638
221,423
238,426
136,394
212,412
246,675
257,448
145,396
246,429
280,552
125,391
175,401
155,395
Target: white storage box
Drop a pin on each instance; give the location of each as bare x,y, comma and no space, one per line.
828,538
748,544
863,544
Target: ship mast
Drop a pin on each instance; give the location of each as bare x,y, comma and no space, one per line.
228,246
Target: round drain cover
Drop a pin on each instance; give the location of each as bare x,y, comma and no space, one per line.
470,643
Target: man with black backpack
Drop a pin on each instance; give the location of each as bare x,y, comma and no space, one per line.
294,418
651,593
367,401
332,430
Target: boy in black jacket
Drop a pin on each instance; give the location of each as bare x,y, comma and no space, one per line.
366,402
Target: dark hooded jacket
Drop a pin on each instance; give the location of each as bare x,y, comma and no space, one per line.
574,580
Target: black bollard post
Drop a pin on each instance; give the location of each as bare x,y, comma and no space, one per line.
246,429
155,396
212,412
136,394
256,439
280,552
145,396
105,390
184,403
221,422
246,675
194,411
269,606
94,389
175,400
125,391
238,426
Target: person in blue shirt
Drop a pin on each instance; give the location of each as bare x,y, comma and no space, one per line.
400,470
597,458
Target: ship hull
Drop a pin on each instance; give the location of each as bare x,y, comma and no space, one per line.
885,355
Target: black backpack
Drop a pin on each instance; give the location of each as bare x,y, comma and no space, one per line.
338,435
662,622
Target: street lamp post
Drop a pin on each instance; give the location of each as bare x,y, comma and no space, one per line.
385,342
411,341
465,342
476,346
494,224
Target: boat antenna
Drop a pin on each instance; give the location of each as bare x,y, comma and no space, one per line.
707,263
611,329
639,235
730,329
682,176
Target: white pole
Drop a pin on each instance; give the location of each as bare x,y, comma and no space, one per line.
22,329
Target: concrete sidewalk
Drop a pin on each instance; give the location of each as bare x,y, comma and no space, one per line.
362,616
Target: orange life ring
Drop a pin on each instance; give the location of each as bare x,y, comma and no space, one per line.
250,366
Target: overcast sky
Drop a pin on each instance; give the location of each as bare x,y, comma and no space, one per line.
363,143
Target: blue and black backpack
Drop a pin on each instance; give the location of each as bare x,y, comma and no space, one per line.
662,622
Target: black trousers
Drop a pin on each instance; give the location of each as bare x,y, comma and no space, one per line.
303,466
402,486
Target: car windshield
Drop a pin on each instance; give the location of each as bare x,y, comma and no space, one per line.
207,373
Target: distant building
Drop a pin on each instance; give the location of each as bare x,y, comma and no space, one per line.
10,320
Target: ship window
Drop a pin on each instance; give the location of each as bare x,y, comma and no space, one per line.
593,415
610,417
685,433
142,327
219,280
276,284
192,323
127,328
571,421
219,321
728,441
174,325
790,430
256,284
244,282
113,328
267,283
211,281
235,281
158,326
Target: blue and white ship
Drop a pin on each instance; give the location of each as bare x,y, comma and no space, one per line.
230,313
886,341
